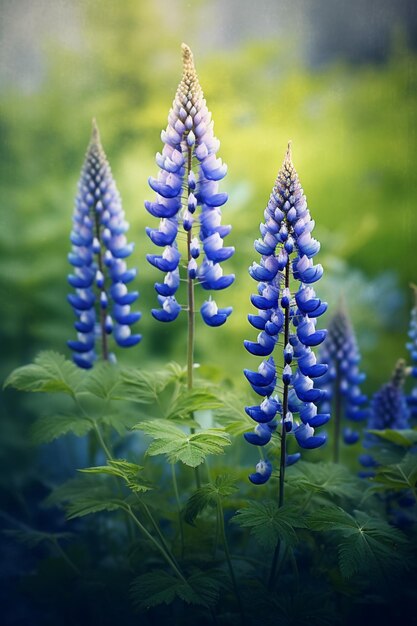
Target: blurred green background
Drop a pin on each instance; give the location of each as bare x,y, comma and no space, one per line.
338,79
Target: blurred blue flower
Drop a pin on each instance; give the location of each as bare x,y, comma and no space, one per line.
412,349
286,321
341,382
188,180
99,248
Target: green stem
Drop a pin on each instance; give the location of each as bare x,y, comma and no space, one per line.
104,346
177,497
277,560
157,545
220,516
102,442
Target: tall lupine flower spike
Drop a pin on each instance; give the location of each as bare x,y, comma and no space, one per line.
342,379
412,348
99,248
286,320
388,410
188,204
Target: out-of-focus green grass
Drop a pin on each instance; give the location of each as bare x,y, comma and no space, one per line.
353,133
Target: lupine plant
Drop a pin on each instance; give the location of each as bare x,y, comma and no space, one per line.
188,204
101,301
412,349
286,319
341,381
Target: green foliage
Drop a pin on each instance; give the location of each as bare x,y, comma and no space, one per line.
329,479
146,386
129,472
269,523
51,427
405,438
33,538
398,477
209,495
190,400
190,449
159,587
84,495
50,372
364,543
103,381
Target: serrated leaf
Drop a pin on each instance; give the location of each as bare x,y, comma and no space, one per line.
51,427
324,478
270,523
405,438
190,449
190,400
129,472
160,587
399,476
232,414
364,544
103,381
51,372
84,495
209,495
144,387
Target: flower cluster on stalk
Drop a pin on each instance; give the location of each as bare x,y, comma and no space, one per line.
102,301
188,204
342,380
286,321
412,349
388,409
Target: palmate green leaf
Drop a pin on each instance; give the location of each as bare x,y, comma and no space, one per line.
85,494
160,587
190,449
209,495
270,523
190,400
144,387
364,543
129,472
51,427
405,438
51,372
324,478
232,414
399,476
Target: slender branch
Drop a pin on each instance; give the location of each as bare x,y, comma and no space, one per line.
220,517
102,442
177,497
65,556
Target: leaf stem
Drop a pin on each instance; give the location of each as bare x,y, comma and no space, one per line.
157,545
337,417
220,517
177,497
65,556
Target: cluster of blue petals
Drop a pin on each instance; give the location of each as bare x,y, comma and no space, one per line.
188,203
343,377
412,349
389,409
286,246
102,301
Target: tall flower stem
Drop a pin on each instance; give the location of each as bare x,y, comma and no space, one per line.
337,415
284,399
220,517
103,333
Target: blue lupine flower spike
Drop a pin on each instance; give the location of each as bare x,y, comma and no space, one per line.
188,204
412,348
286,321
389,409
99,248
341,382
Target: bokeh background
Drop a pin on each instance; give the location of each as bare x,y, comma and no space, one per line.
337,78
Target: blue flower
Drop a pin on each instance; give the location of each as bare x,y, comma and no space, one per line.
188,203
341,383
99,248
286,321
